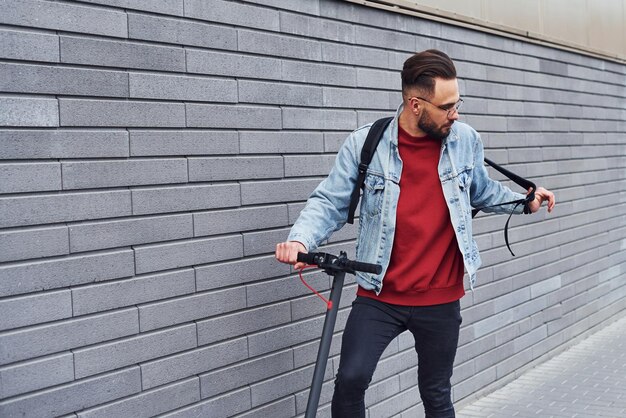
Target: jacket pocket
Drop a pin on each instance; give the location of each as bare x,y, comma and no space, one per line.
373,193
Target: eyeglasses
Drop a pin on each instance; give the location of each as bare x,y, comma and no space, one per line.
449,109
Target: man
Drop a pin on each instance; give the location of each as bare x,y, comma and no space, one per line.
415,221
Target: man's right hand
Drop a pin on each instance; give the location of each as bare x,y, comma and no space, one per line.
287,252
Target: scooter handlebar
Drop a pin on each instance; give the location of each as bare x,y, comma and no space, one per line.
324,260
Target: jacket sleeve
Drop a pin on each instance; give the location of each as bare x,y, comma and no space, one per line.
486,192
326,210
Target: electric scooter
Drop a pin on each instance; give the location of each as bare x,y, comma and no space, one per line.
336,267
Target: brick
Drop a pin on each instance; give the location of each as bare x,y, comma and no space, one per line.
104,357
47,274
33,243
20,78
284,408
178,31
334,140
316,73
311,305
277,191
369,78
236,220
313,165
397,59
238,117
494,356
184,198
235,168
232,65
545,286
120,293
81,112
109,234
75,50
169,369
167,87
169,7
378,392
511,299
238,272
64,17
314,27
268,291
31,177
395,404
155,257
35,309
282,385
278,45
366,117
354,55
29,46
384,38
486,123
531,338
283,142
241,323
319,119
189,308
284,336
115,173
50,338
259,242
361,98
32,144
231,13
221,407
238,375
75,396
480,88
150,403
279,93
32,210
294,211
154,143
23,111
325,398
38,374
308,7
524,124
492,323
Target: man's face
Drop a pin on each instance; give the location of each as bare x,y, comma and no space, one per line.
433,119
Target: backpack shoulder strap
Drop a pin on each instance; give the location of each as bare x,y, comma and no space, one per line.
367,152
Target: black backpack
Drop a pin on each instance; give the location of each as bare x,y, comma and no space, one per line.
367,153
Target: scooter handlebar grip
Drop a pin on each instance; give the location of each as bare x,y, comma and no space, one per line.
308,258
365,267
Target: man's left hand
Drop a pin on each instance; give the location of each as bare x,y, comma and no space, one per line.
542,195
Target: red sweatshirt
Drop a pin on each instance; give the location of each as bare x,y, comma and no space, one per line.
426,266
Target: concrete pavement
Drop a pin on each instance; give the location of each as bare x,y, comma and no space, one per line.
587,380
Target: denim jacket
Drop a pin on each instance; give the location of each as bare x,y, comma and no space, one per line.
464,180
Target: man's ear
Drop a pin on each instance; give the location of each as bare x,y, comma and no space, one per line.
415,106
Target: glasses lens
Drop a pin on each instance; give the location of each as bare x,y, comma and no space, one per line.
455,108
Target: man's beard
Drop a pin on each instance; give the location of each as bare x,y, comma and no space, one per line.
426,124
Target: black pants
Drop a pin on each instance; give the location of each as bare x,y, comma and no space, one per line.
370,328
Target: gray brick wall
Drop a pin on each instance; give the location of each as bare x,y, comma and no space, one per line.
153,153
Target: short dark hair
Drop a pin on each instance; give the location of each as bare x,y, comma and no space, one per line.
421,69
